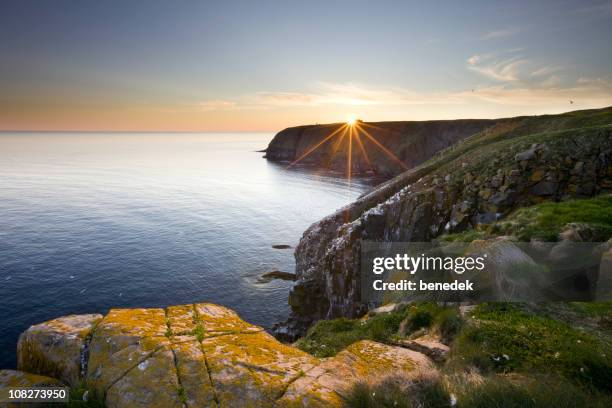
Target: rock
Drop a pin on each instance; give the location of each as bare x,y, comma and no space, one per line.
268,276
485,218
203,355
57,348
506,268
544,188
430,346
124,340
388,308
581,232
537,175
526,155
281,246
327,383
19,379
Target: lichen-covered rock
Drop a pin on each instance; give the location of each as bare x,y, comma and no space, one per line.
205,355
19,379
328,383
124,340
57,347
153,383
252,369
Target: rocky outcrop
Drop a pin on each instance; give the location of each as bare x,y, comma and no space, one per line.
57,348
202,355
19,379
411,142
475,182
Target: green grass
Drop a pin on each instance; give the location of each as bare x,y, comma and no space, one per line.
389,393
328,337
507,338
76,399
593,309
544,392
545,221
524,356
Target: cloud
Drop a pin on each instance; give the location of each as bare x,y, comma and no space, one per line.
549,91
505,32
500,69
545,71
348,94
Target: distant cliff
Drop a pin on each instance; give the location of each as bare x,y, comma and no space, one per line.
411,142
513,163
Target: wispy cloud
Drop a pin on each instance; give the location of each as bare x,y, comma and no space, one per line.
548,91
501,33
545,71
494,67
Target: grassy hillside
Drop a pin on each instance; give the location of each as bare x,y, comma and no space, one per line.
548,220
501,355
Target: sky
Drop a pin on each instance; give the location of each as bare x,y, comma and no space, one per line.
265,65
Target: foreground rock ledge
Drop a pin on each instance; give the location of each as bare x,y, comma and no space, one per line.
201,355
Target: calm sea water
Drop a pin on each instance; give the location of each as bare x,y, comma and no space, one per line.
94,221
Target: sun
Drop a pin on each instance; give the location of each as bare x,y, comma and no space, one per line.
351,120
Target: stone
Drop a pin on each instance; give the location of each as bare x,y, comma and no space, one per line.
431,346
367,361
269,276
544,188
485,218
20,379
56,348
537,175
123,340
205,355
153,383
526,155
485,193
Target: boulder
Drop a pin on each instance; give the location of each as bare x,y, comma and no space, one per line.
57,348
329,382
431,346
205,355
19,379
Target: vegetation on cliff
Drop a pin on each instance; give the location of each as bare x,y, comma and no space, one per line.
475,183
548,220
501,354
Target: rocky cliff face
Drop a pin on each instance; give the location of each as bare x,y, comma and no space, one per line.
411,142
516,162
197,355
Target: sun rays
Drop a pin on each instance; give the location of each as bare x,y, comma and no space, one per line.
344,136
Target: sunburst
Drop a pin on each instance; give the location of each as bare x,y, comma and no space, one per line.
343,137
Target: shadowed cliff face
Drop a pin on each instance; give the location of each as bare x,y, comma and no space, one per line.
411,142
514,163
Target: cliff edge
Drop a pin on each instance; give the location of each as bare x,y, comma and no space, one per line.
516,162
411,142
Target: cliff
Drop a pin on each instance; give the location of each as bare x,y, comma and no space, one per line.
514,163
411,142
197,355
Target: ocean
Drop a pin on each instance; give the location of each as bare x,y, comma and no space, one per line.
93,221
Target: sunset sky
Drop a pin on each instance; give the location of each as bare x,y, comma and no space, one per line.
266,65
